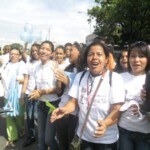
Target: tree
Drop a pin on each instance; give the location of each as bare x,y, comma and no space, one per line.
122,21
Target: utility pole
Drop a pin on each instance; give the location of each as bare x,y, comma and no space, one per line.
48,35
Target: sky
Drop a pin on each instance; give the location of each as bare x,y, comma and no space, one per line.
65,19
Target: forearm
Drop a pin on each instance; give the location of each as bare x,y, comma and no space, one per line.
47,91
71,106
25,83
113,116
39,92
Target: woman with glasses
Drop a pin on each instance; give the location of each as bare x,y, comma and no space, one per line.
14,75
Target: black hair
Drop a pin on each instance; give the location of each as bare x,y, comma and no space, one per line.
38,47
67,44
143,49
61,47
50,43
77,45
80,67
118,67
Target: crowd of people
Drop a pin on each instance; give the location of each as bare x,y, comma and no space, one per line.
76,91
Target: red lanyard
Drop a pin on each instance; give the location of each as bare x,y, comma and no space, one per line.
89,97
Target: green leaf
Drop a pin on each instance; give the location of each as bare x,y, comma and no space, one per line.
48,104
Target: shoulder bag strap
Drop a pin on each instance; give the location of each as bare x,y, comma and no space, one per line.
92,100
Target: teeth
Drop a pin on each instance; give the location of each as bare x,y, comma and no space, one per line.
94,64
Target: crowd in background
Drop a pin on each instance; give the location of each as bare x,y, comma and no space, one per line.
75,90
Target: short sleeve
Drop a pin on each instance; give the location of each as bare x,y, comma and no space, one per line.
23,68
117,92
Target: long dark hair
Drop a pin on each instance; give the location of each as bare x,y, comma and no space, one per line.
143,49
118,67
50,43
80,66
31,56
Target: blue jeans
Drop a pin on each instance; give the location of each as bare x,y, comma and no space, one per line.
46,129
31,112
129,140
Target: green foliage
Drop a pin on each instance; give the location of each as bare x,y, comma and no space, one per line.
124,21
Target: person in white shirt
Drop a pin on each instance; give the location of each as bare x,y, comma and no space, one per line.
95,91
66,126
4,59
31,106
135,130
60,57
67,51
14,74
45,91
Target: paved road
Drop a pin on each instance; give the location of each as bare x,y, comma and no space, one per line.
3,137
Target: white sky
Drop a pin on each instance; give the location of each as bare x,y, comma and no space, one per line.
61,16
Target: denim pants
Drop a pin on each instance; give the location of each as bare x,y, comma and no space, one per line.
129,140
46,129
85,145
31,113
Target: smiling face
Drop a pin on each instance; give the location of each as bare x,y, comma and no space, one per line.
34,52
124,60
96,60
15,56
67,50
59,55
45,52
138,62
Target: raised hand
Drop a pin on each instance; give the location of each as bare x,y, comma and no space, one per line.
60,76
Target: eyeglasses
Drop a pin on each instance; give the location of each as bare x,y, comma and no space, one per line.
68,49
13,54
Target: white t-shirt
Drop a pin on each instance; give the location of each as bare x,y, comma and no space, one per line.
45,79
31,72
63,66
105,97
67,61
10,73
5,58
133,85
